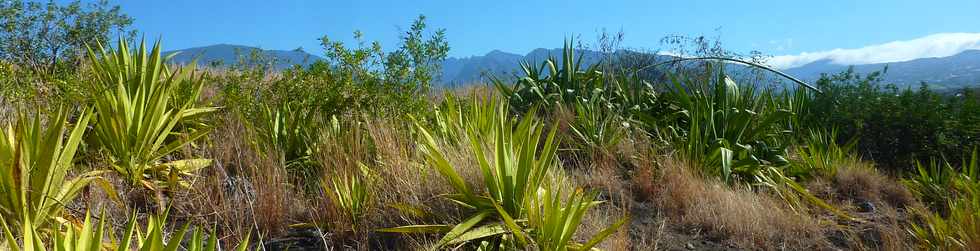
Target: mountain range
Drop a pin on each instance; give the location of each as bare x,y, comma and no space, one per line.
956,71
228,54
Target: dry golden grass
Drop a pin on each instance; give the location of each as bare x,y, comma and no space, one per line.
738,216
863,182
243,192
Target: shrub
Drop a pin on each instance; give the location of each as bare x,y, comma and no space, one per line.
137,115
736,133
89,237
34,165
940,182
896,126
513,181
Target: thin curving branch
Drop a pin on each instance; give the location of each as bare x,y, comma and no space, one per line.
767,68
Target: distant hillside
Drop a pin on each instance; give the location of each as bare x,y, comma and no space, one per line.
957,71
228,54
953,72
462,71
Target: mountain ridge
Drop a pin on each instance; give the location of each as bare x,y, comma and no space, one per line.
955,71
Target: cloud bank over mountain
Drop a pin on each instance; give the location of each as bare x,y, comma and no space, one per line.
935,45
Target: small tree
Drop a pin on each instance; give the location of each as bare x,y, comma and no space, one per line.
46,38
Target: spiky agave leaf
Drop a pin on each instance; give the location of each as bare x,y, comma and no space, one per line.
34,163
139,117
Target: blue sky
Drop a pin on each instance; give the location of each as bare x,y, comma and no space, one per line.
477,27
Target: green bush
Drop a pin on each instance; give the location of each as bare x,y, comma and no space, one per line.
896,126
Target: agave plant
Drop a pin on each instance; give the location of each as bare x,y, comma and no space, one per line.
554,219
454,117
89,237
953,193
956,229
138,117
939,182
34,163
821,153
512,178
596,127
290,130
553,83
737,134
351,192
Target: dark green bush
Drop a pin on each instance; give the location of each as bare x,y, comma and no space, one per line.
896,126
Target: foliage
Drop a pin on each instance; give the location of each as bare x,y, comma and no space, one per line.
821,153
738,134
89,237
939,182
553,83
732,129
394,83
954,196
34,165
137,115
553,223
514,177
351,192
959,230
289,130
896,127
597,128
48,38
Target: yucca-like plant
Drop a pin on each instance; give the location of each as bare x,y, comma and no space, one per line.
137,115
521,159
91,237
351,193
731,129
34,164
514,176
958,229
953,195
737,133
939,182
554,219
290,130
553,83
821,153
596,127
454,117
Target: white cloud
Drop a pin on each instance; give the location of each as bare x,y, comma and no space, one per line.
935,45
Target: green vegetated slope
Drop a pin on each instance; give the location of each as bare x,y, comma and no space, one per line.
125,151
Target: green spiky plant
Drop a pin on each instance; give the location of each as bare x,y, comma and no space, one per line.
553,219
939,182
738,134
351,193
597,128
454,116
91,237
821,153
553,83
34,163
138,116
953,195
958,229
520,161
290,130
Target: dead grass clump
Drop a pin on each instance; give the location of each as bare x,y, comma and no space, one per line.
243,192
737,215
407,191
862,183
